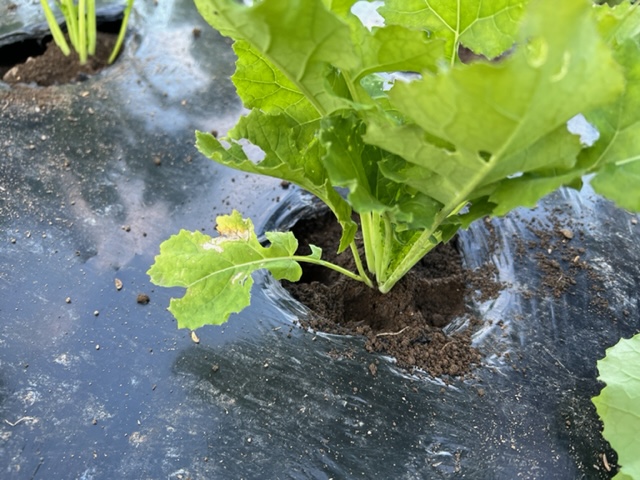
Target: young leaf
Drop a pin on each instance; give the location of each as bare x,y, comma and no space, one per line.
618,404
353,164
217,271
488,27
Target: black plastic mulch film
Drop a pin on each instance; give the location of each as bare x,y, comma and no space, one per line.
93,385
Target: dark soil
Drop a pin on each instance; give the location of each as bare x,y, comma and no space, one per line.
406,323
53,67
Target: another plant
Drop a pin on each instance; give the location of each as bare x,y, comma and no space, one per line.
419,158
618,404
80,19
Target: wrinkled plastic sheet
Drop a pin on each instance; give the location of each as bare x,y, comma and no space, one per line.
95,385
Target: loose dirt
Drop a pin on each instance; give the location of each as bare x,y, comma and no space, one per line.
407,323
53,67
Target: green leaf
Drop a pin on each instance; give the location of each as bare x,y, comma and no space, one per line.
618,24
616,156
394,48
262,85
621,184
217,271
488,27
561,72
474,129
303,39
618,404
353,164
292,153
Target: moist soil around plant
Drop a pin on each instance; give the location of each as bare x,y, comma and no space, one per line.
53,67
407,323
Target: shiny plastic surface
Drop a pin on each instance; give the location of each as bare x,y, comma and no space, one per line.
94,385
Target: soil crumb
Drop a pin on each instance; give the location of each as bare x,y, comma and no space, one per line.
408,322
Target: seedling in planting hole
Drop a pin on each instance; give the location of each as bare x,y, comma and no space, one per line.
80,19
419,159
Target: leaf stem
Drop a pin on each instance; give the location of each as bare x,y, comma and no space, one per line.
377,244
356,258
429,238
121,34
369,251
387,247
332,266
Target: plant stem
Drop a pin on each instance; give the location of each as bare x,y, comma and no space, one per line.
429,238
386,251
356,258
369,251
332,266
56,32
377,243
123,31
71,16
82,31
92,30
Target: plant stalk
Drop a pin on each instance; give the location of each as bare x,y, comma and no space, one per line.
332,266
361,272
122,32
56,32
369,250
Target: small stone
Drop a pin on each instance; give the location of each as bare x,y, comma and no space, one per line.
97,347
196,32
566,233
94,422
157,160
143,298
373,369
126,228
194,337
118,284
67,300
634,221
96,313
215,367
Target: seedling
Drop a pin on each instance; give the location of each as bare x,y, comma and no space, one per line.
80,19
421,158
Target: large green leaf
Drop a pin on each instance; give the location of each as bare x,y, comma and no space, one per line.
502,108
618,404
494,130
217,271
302,39
291,153
487,27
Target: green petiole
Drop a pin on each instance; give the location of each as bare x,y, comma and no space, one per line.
81,26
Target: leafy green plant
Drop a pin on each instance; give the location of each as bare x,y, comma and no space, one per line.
80,19
618,404
419,159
